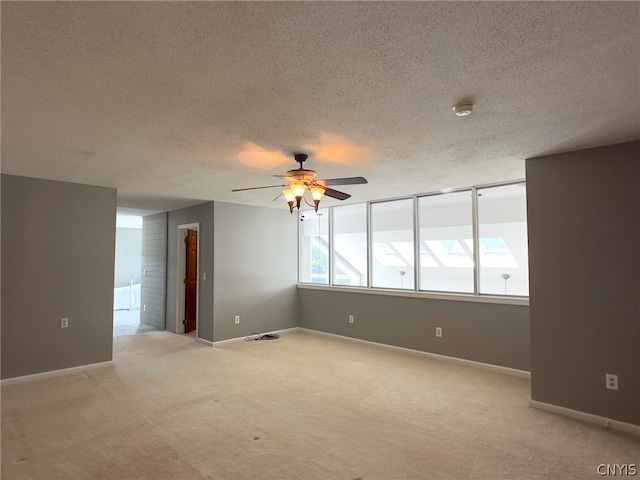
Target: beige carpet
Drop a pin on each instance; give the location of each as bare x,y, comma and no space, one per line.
304,406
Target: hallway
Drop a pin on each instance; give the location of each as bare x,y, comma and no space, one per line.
127,322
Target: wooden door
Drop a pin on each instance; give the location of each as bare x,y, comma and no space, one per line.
191,280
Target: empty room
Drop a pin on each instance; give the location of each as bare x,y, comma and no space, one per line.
375,240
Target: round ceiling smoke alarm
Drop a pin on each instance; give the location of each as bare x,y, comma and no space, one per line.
463,109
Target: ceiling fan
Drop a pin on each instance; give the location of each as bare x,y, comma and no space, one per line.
300,180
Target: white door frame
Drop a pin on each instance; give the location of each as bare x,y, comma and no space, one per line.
181,271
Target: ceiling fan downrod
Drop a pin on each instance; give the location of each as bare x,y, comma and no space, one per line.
301,158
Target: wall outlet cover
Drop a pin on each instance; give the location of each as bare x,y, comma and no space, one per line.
612,381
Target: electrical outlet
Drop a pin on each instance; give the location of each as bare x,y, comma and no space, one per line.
438,331
64,323
144,308
350,318
237,318
612,381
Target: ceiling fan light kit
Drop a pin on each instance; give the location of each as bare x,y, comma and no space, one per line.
289,197
317,193
298,189
302,180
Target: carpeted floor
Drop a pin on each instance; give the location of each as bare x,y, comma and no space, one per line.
304,406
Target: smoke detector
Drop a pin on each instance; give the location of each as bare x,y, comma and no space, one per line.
463,109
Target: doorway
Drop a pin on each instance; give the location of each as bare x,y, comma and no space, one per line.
127,276
190,280
187,285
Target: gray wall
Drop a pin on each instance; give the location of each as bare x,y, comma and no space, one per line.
584,250
58,248
255,270
203,214
154,261
481,332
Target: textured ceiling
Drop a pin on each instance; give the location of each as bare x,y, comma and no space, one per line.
177,103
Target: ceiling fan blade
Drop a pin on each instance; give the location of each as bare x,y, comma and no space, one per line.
330,192
279,176
258,188
343,181
277,197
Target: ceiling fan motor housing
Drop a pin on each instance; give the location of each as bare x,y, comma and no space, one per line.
301,175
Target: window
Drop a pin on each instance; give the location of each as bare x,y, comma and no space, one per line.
392,244
334,243
426,259
502,228
494,252
314,247
350,245
446,235
451,252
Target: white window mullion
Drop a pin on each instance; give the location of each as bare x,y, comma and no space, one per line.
476,241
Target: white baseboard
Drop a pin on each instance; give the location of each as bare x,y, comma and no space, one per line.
587,417
243,339
485,366
208,343
54,373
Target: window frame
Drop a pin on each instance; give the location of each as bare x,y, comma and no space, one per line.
434,254
335,254
479,224
412,198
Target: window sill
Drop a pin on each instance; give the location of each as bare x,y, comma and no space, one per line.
456,297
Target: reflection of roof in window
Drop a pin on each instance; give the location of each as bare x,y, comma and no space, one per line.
387,255
494,245
426,260
450,253
495,253
453,247
387,248
405,249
